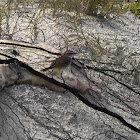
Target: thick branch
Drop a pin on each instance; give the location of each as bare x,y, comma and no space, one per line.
78,95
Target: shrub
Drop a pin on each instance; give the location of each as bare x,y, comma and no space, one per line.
89,7
135,9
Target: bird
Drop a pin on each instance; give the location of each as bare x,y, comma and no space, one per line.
61,62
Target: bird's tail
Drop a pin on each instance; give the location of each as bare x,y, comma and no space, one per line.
45,69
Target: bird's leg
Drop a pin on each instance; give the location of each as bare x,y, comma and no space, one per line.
52,73
62,77
70,67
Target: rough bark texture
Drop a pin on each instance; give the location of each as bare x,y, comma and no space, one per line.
106,69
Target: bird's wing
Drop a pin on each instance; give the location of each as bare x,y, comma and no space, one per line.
51,66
